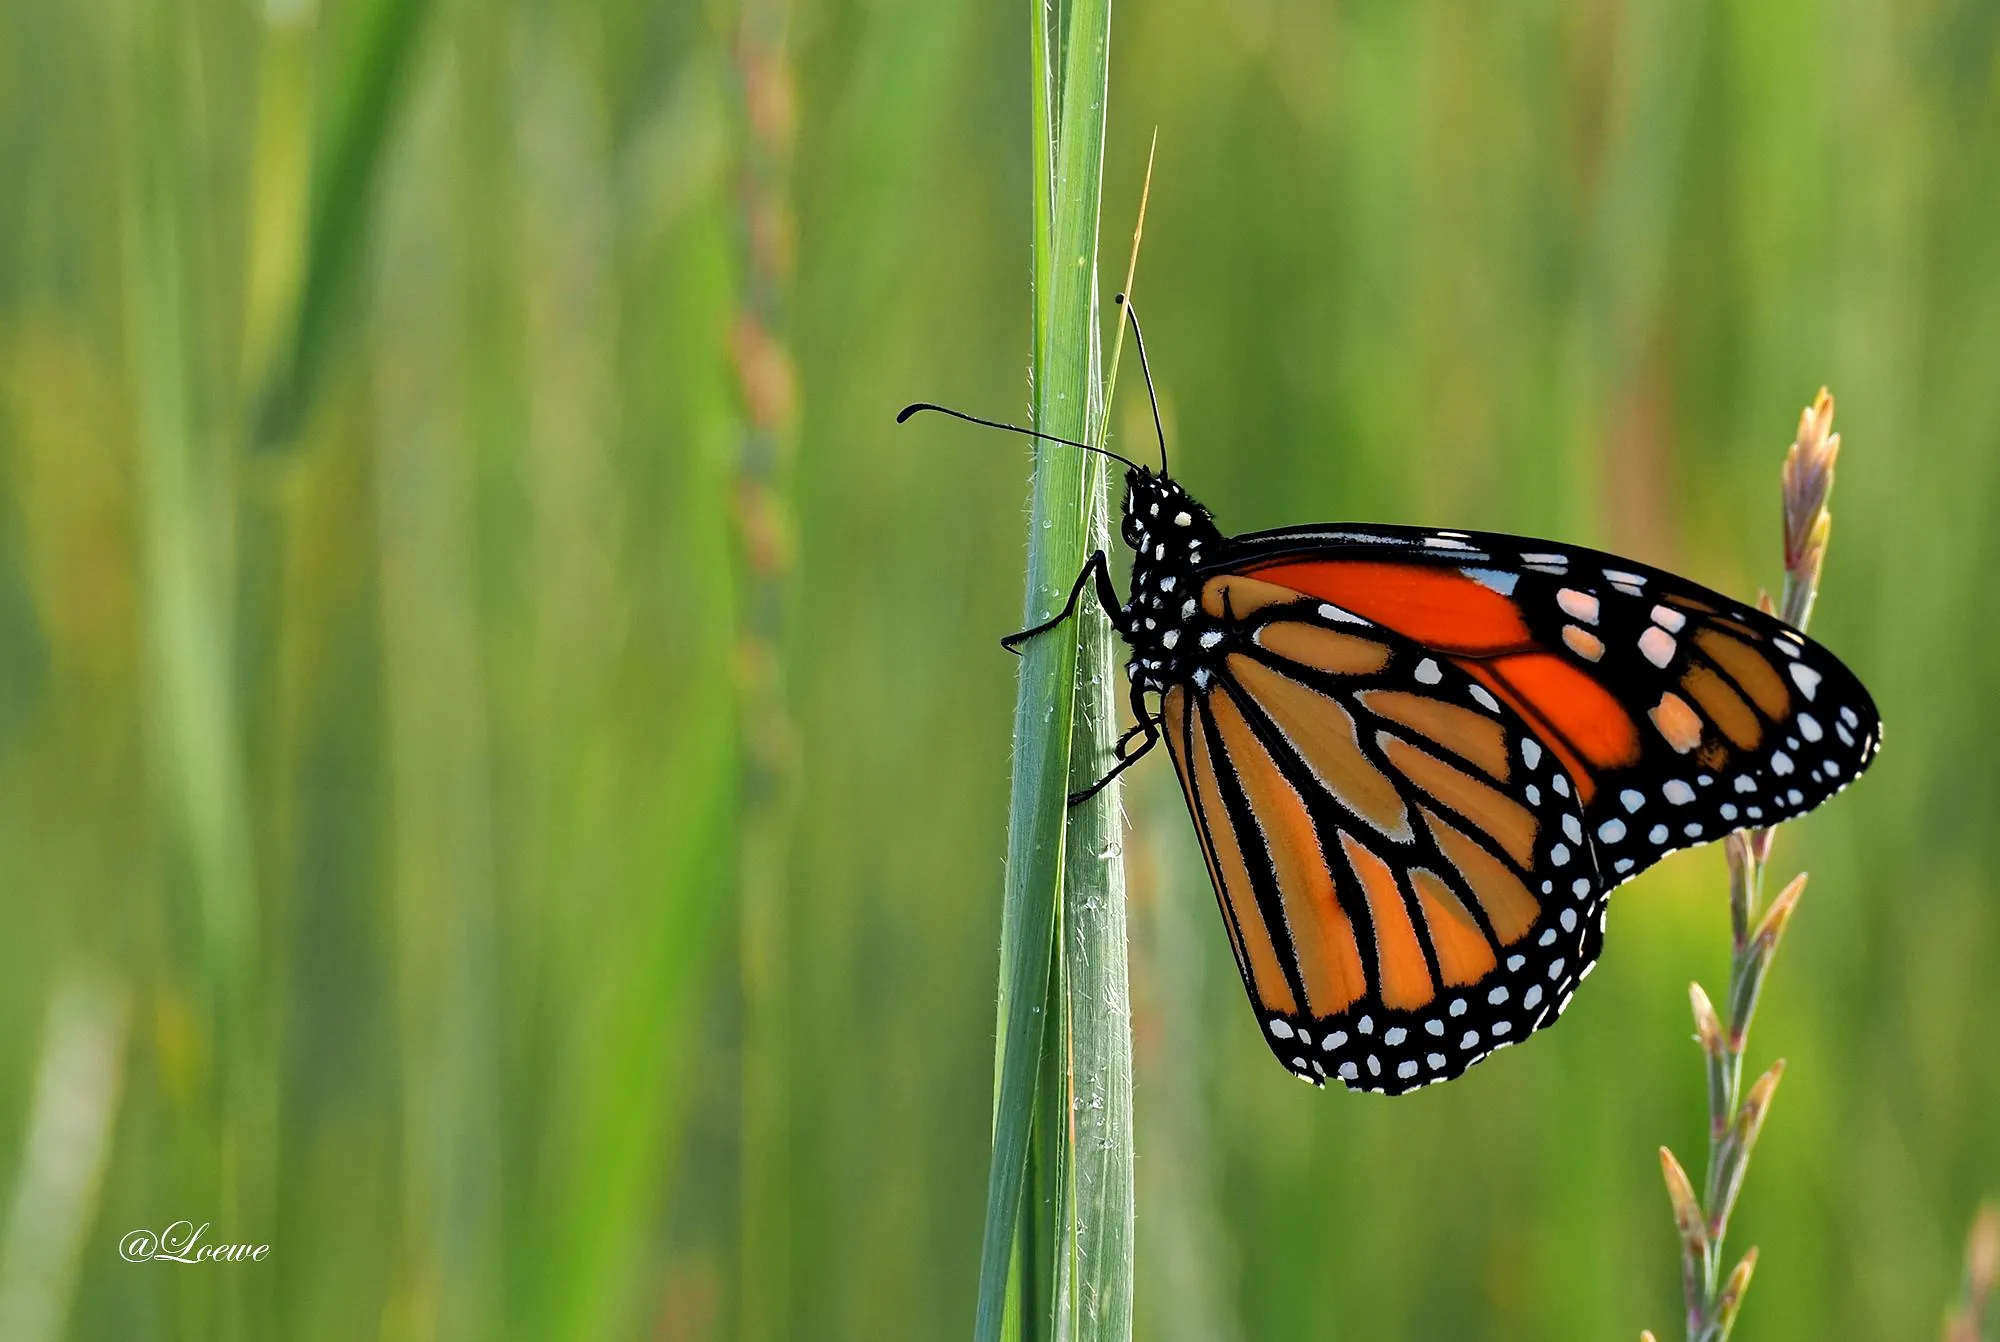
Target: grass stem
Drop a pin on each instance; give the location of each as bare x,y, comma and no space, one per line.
1736,1114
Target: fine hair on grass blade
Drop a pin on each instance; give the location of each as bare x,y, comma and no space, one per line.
1061,1267
1713,1292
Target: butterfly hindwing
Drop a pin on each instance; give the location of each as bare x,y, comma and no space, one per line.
1400,864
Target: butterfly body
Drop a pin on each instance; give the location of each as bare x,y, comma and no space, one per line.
1170,534
1418,761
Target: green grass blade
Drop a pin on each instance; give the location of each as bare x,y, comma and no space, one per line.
369,92
1049,700
1100,1109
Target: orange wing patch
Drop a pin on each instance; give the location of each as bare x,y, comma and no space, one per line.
1439,607
1463,955
1227,596
1592,729
1323,649
1232,882
1679,724
1323,734
1511,824
1508,906
1473,736
1724,706
1322,937
1406,977
1748,668
1173,709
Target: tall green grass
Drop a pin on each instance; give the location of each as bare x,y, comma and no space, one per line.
1057,1255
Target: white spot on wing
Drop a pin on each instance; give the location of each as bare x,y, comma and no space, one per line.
1531,752
1427,672
1669,619
1805,678
1329,611
1657,645
1677,792
1486,700
1578,605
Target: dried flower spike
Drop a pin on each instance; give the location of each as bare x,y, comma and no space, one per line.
1707,1029
1731,1298
1687,1210
1780,914
1808,480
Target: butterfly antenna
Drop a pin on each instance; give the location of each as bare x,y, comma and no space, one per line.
1147,369
909,410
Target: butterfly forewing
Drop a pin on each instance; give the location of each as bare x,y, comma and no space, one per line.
1680,713
1399,861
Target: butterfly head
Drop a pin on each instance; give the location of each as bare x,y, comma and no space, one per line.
1161,518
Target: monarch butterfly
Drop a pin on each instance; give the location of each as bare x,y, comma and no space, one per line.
1418,761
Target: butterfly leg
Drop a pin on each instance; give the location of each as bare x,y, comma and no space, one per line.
1098,567
1148,728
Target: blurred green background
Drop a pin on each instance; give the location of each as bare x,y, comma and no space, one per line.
502,744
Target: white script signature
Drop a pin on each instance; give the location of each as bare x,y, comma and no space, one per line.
181,1242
